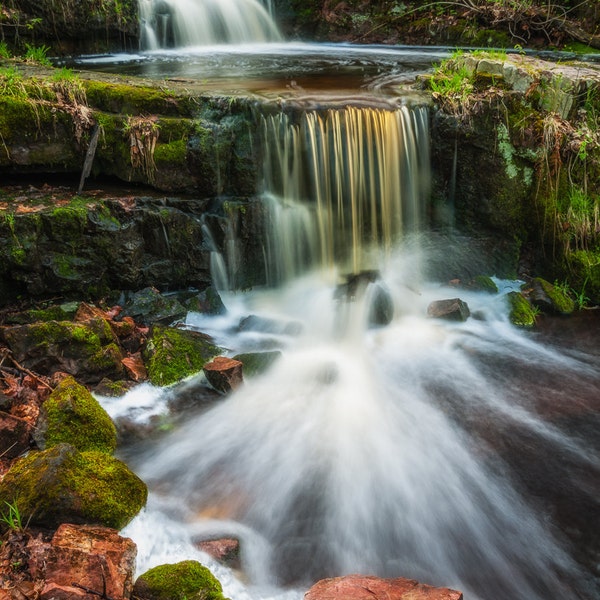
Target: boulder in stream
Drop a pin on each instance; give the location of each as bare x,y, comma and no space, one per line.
453,309
187,579
360,587
224,374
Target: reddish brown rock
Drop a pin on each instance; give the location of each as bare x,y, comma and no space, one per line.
224,374
224,550
359,587
134,365
453,309
84,561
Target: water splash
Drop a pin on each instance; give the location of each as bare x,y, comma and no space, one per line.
182,23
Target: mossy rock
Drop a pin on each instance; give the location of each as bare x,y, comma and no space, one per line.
88,351
521,313
548,297
256,363
483,283
186,580
63,485
73,416
173,354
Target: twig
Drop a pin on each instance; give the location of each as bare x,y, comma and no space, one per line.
30,373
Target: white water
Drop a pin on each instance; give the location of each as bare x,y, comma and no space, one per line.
347,456
183,23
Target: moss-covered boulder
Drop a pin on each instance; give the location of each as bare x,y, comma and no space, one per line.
484,283
173,354
521,313
186,580
73,416
88,351
61,485
550,298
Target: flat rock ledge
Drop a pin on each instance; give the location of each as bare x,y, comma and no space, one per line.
359,587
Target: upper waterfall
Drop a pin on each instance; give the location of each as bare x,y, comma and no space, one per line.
180,23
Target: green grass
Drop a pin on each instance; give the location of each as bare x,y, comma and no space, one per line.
37,54
12,517
4,51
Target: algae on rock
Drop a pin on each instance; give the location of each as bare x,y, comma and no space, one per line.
61,485
186,580
72,415
173,354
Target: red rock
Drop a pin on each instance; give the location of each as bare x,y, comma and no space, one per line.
224,550
134,365
224,374
84,561
360,587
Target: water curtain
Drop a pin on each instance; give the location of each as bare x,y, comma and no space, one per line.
341,182
182,23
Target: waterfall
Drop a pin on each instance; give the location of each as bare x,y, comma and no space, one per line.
340,183
182,23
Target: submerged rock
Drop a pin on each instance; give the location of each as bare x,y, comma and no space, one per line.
224,550
186,580
63,485
359,587
453,309
73,416
255,363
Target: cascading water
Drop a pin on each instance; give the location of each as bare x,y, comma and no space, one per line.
341,181
181,23
387,451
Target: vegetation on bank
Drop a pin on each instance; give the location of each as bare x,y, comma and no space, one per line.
541,183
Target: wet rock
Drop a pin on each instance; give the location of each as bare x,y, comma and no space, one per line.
186,579
208,302
483,283
73,416
224,550
453,309
521,312
113,389
15,435
255,363
135,367
172,354
63,485
271,326
83,561
224,374
150,306
357,587
549,298
380,310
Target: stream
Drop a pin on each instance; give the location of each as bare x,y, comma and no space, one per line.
462,454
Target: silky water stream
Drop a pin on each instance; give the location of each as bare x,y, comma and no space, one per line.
460,454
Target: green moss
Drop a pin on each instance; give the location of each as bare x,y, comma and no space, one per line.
521,312
75,417
173,152
173,354
186,580
62,484
485,284
561,302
